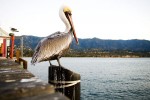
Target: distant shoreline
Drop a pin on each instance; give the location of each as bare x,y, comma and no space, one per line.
98,53
98,57
110,54
105,56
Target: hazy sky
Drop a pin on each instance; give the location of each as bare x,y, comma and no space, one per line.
105,19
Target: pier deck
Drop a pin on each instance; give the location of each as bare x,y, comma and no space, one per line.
17,83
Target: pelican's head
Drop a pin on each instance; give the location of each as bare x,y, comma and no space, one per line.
66,16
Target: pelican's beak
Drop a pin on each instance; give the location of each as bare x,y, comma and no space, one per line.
72,26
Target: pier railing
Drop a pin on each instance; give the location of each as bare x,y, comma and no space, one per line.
20,60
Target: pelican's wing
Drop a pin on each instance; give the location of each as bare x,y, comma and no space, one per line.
36,52
51,46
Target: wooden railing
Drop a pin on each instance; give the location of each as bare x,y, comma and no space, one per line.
20,60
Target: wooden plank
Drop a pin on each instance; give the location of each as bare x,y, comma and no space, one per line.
17,83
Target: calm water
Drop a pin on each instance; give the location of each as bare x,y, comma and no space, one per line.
106,78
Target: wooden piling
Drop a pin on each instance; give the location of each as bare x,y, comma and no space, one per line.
20,61
65,81
17,55
12,45
4,47
8,52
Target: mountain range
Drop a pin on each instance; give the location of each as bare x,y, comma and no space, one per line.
95,43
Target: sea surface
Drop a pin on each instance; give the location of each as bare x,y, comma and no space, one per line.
105,78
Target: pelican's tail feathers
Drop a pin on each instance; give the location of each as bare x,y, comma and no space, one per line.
35,55
34,59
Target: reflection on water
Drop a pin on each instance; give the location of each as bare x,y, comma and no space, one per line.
106,78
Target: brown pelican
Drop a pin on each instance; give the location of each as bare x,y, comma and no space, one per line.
54,45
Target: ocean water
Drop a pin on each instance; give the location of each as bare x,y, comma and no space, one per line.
105,78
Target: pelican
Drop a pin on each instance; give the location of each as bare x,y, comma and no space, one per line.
53,46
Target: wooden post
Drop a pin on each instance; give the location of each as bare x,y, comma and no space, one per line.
24,63
17,55
8,51
12,45
4,47
21,46
65,81
20,61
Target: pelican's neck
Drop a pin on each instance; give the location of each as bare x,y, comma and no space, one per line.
65,20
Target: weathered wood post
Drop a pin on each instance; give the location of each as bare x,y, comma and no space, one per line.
21,45
12,45
17,55
65,81
8,51
4,47
24,63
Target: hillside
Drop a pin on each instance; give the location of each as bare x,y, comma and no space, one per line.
95,43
